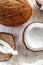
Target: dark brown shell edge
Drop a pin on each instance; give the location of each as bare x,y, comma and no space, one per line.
38,4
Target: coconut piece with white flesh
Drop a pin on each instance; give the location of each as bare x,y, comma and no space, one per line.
40,3
8,40
33,37
6,48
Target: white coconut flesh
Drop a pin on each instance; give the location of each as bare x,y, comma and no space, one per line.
6,48
41,3
33,36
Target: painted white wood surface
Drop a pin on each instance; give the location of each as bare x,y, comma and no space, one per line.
24,55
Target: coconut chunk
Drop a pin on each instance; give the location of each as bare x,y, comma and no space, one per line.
6,38
40,4
33,36
6,48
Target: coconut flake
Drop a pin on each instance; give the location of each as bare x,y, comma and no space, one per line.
6,48
33,36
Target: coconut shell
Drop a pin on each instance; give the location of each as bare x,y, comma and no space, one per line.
8,38
24,39
38,4
14,12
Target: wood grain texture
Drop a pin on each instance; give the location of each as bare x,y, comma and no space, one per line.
14,12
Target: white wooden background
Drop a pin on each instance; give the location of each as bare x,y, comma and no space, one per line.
24,54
